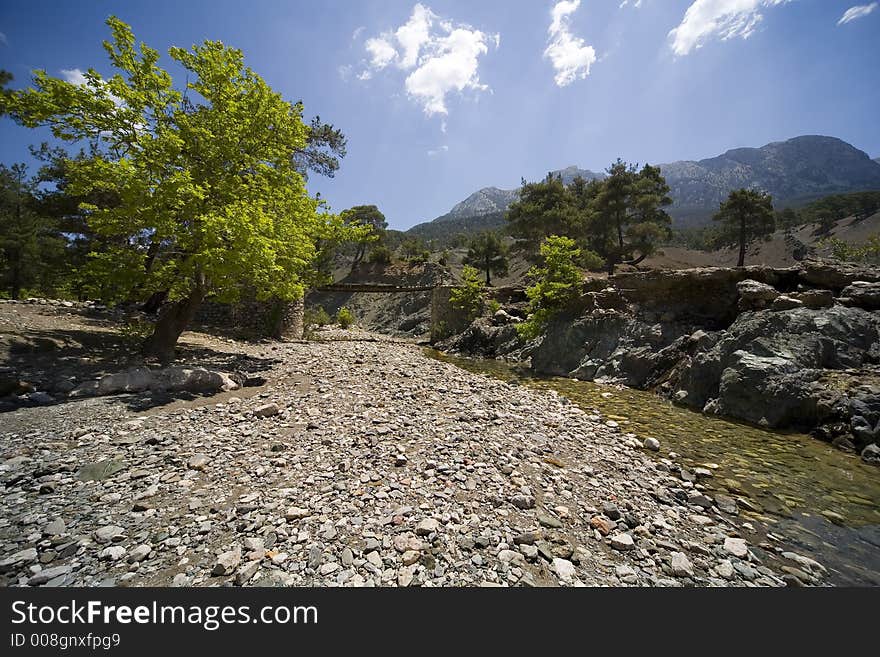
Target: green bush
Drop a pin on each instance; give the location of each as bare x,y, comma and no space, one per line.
380,255
468,297
493,306
314,317
868,253
557,285
345,318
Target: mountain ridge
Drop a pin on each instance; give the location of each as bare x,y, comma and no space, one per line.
794,171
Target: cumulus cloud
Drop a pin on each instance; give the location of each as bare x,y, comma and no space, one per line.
438,55
570,56
73,75
724,19
859,11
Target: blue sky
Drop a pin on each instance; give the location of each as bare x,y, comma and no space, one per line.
441,98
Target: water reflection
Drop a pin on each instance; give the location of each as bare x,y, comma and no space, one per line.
824,503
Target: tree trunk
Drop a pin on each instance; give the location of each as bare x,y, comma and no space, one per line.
637,260
171,324
742,243
488,280
152,305
15,284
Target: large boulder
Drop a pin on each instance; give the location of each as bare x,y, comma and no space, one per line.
766,366
484,339
754,294
835,275
170,379
862,294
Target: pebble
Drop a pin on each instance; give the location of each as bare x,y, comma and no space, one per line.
198,461
622,542
226,562
681,565
737,547
304,485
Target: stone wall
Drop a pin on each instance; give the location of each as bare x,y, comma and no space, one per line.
277,319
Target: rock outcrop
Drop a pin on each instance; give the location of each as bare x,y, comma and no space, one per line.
783,348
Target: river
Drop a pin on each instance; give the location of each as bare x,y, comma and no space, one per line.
819,501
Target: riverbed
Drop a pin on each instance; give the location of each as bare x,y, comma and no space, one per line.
818,500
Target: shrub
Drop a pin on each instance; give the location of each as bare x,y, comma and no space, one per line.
493,306
316,317
345,318
869,252
380,255
312,318
557,284
468,296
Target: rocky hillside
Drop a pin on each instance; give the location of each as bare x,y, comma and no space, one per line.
793,172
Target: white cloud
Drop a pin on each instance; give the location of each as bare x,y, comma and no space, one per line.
725,19
73,75
859,11
382,53
414,34
76,76
3,40
570,56
440,56
631,3
357,32
436,151
451,67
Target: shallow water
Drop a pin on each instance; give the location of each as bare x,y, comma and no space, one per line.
823,503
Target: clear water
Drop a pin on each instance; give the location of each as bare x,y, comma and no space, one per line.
823,503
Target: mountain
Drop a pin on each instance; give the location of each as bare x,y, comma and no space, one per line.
877,160
484,201
794,172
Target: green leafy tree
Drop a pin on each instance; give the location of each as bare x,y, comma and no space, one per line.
325,145
618,220
209,195
557,284
543,208
628,220
745,216
414,249
31,247
370,218
468,295
380,255
488,253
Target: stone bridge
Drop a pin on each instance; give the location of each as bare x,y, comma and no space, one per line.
446,320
